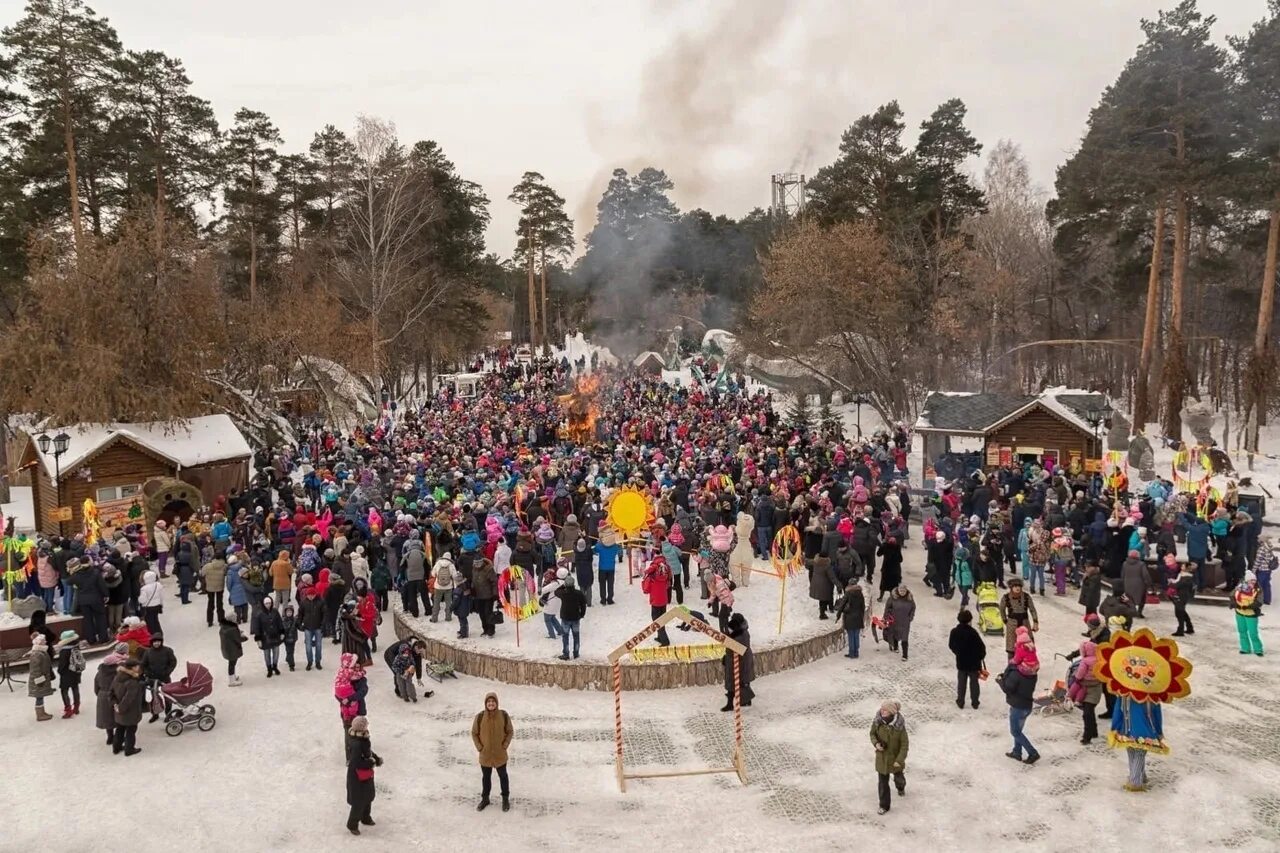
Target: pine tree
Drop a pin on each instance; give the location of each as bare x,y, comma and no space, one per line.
332,159
871,176
832,424
299,188
943,191
544,232
800,413
253,201
64,55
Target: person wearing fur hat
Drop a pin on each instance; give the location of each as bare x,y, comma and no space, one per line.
71,664
1133,579
1018,610
231,643
126,704
361,761
889,737
39,675
158,664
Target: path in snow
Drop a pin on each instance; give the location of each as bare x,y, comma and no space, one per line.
270,776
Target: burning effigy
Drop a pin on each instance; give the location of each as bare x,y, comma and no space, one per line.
581,409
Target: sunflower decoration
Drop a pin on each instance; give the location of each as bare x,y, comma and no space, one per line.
1143,667
630,511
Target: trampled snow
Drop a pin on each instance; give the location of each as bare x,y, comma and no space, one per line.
270,776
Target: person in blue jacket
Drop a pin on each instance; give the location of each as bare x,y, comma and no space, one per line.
237,597
1197,546
609,556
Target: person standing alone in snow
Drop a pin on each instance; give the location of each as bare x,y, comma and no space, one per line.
491,732
889,737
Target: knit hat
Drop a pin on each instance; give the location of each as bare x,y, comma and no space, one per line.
68,636
360,726
121,649
1250,577
1022,635
561,574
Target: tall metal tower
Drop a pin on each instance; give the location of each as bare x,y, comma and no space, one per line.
787,194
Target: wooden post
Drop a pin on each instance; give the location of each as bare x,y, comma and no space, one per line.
737,719
782,598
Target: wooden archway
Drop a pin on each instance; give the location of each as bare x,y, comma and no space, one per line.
622,651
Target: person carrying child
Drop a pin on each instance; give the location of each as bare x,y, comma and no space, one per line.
403,666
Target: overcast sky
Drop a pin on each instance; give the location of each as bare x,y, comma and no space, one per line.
720,94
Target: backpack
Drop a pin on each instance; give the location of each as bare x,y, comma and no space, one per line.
75,660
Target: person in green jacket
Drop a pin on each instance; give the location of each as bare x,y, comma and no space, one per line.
889,737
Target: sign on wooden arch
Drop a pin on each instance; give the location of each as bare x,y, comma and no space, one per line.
615,659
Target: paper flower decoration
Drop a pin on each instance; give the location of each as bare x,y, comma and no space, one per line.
1143,667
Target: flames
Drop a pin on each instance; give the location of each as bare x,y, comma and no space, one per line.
581,409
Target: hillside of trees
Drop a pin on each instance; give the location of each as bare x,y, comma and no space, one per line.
154,264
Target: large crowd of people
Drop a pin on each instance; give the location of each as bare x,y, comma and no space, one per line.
437,502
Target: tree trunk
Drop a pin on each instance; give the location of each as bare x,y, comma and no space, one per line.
4,465
253,265
1175,365
1260,370
73,178
533,294
1142,400
543,252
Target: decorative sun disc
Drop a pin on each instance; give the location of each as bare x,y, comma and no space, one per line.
1144,667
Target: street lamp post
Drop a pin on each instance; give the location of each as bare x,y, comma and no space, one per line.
860,399
1097,416
60,443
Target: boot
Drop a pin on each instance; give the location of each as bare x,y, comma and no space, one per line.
483,804
75,709
367,821
41,716
506,804
728,706
66,712
353,829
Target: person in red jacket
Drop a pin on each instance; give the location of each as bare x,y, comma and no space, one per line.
656,584
366,610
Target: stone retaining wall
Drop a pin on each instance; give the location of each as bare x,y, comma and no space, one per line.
658,675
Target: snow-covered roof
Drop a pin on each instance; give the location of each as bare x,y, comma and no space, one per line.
646,356
197,441
967,413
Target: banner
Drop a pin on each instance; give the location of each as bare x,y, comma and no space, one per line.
707,651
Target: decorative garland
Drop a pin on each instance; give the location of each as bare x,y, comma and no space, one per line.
518,592
786,554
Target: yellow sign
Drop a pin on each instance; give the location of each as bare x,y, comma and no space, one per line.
59,513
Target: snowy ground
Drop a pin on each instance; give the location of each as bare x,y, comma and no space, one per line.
270,776
605,628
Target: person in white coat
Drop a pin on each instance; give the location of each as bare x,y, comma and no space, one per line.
162,540
443,573
151,600
359,563
551,605
740,561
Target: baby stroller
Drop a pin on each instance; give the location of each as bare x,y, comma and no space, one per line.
1054,701
989,621
182,702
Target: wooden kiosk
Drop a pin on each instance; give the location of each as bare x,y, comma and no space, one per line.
615,660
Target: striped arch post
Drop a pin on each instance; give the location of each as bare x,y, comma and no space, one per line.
617,725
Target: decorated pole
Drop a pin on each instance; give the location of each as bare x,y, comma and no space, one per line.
786,555
617,723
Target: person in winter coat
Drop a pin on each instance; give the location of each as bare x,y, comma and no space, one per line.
740,631
1183,593
311,614
940,553
415,570
962,573
1133,578
970,651
281,577
350,688
1090,588
366,611
656,584
162,544
1247,603
741,558
267,629
158,664
584,566
1019,692
491,732
91,599
865,541
822,584
231,642
484,591
573,607
361,761
891,568
151,601
889,737
550,604
442,596
846,564
359,563
214,575
899,611
415,649
186,566
126,702
104,716
1118,605
1018,610
47,577
335,593
289,626
854,616
1086,690
114,577
40,675
70,664
1197,546
237,596
568,534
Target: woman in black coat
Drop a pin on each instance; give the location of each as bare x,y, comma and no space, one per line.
739,631
361,759
891,569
